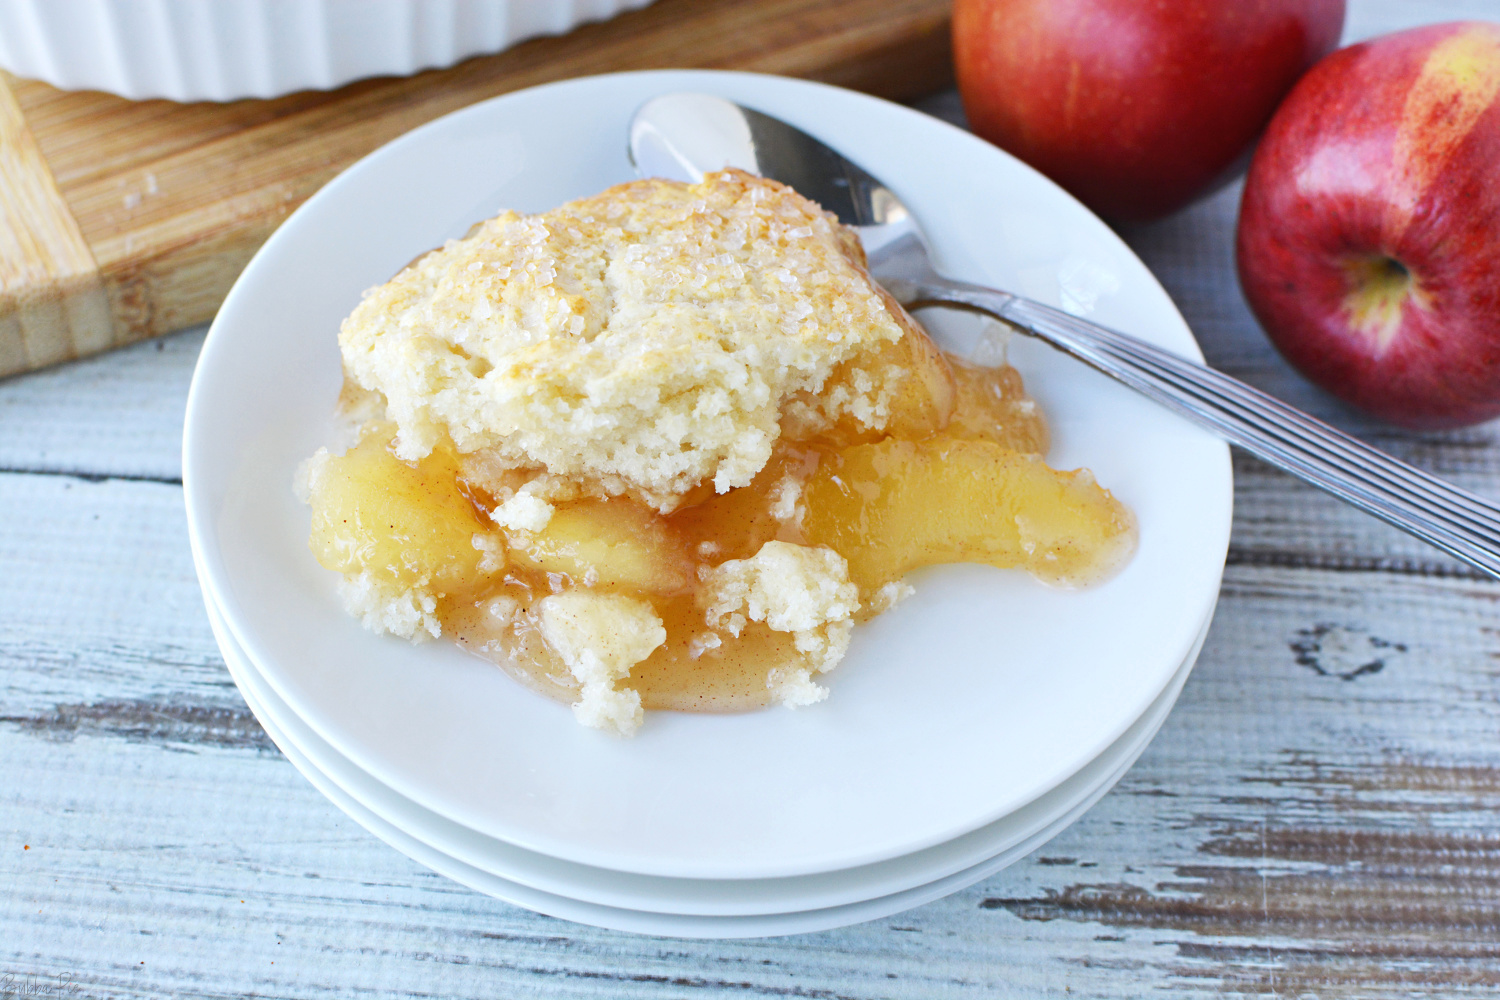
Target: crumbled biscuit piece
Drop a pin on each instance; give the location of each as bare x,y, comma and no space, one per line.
794,687
702,643
410,613
787,492
492,545
599,637
523,512
641,341
889,595
792,588
308,478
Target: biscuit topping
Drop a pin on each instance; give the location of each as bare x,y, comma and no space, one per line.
640,342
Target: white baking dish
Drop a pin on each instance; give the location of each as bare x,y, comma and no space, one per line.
222,50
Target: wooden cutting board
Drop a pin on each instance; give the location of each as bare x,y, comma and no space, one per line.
122,220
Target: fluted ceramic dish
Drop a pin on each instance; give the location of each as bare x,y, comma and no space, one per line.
222,50
969,700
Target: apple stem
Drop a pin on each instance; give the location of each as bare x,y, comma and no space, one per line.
1379,288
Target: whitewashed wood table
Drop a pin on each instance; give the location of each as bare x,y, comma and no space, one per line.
1319,817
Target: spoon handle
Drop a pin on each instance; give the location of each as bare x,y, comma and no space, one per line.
1454,520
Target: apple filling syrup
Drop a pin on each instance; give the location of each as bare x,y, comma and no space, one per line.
663,446
956,477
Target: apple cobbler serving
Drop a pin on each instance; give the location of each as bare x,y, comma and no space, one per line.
663,447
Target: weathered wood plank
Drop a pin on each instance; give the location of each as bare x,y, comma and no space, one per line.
1336,833
1323,799
119,415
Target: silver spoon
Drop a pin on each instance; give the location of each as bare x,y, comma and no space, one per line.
684,136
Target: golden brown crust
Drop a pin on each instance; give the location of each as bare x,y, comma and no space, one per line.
639,342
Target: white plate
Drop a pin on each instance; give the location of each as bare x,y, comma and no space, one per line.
969,700
741,897
388,817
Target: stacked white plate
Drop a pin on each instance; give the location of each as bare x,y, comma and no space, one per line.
966,726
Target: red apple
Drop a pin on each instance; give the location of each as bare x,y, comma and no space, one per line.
1135,106
1369,235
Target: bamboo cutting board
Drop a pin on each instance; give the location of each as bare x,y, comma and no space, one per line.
123,220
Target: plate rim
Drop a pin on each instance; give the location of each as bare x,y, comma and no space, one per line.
701,926
1123,759
200,531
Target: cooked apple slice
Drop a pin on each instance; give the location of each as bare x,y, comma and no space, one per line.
408,525
611,543
891,507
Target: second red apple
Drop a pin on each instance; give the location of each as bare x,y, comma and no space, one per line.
1369,236
1135,106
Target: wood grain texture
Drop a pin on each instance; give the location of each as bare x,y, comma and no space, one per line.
172,200
52,304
